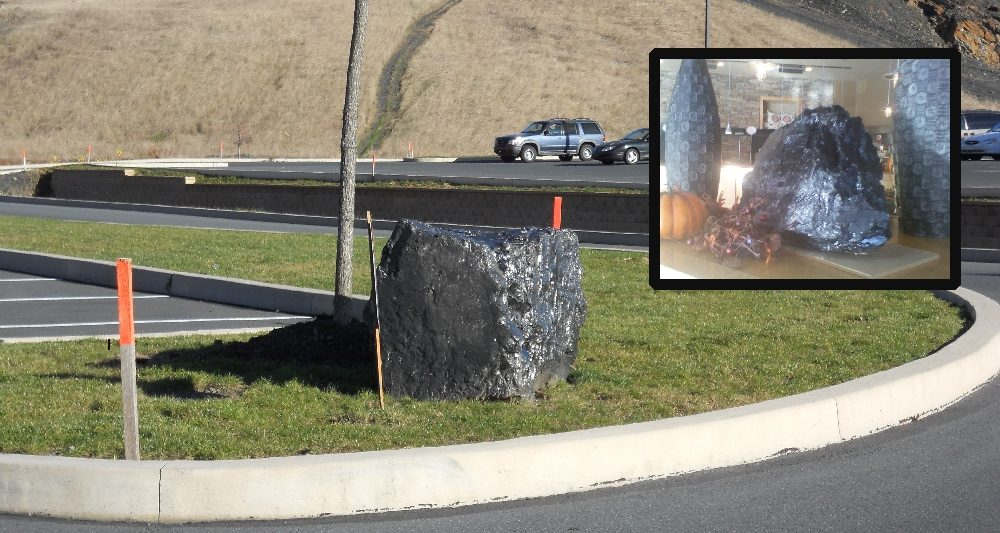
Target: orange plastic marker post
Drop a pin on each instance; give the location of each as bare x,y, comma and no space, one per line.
557,212
126,318
126,336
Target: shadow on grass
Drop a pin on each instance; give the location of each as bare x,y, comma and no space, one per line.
319,353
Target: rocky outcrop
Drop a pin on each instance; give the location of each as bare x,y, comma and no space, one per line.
972,26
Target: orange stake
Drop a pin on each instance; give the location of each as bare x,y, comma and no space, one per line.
126,341
557,212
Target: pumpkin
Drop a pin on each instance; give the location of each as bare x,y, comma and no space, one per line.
682,214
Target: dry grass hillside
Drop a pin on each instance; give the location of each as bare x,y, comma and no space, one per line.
176,77
488,70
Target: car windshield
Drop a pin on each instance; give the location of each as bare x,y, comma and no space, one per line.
995,128
534,127
637,135
981,121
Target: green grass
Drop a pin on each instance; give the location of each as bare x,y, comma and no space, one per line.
643,355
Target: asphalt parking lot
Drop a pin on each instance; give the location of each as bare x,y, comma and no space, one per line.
37,308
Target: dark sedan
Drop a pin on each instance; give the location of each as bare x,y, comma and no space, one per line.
629,149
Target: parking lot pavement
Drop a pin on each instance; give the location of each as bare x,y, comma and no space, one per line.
36,308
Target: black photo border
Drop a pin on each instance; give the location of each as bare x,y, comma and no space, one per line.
949,283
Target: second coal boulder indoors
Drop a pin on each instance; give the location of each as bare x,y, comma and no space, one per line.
821,183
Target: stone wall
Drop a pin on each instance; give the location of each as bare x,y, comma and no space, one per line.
741,106
581,211
980,224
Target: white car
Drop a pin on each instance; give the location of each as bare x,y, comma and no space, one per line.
976,146
978,121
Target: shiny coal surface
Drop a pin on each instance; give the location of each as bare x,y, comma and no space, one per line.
476,314
820,179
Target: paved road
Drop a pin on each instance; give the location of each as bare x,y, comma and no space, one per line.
32,307
493,172
941,473
982,178
118,216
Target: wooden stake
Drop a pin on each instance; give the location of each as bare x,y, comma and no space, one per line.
378,338
126,340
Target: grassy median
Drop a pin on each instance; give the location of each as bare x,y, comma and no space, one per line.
643,355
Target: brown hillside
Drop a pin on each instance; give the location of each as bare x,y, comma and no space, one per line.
176,77
489,70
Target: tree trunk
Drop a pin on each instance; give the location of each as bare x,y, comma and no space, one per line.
348,158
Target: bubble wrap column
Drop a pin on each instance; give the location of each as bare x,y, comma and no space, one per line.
693,143
922,122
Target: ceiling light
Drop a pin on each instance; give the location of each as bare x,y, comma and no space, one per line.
761,68
809,69
720,64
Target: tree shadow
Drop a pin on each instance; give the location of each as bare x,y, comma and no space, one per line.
319,353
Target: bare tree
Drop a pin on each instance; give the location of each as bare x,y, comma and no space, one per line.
348,159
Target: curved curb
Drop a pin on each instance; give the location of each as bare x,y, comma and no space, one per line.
339,484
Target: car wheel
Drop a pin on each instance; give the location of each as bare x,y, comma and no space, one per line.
586,152
528,154
607,161
566,158
975,157
631,156
507,158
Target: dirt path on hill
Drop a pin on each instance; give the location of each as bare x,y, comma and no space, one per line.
390,86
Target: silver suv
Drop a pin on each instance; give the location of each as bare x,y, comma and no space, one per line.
564,137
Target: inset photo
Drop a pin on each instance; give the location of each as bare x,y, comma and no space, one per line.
804,168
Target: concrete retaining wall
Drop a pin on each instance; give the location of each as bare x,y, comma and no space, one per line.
585,211
980,224
266,296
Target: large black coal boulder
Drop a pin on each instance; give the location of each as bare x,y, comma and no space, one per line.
477,314
821,183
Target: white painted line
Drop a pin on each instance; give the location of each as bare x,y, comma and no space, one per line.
61,298
165,321
146,335
27,279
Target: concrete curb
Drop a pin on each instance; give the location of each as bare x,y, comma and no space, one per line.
341,484
981,255
980,192
256,295
585,236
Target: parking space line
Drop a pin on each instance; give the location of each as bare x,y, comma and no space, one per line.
61,298
26,279
164,321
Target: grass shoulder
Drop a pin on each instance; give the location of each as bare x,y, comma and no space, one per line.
643,355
